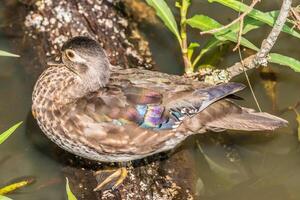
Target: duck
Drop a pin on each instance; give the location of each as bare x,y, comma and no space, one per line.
105,113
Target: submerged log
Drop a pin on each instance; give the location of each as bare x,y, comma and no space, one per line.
43,26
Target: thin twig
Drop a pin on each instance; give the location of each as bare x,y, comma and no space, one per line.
248,80
239,35
254,2
237,47
296,17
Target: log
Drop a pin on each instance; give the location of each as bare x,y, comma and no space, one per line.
41,28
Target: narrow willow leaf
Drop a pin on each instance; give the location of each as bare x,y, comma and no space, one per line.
191,48
16,185
249,25
165,14
70,195
194,45
285,60
206,23
209,46
5,53
298,129
8,132
266,18
4,198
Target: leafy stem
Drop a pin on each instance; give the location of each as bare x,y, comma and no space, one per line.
252,19
196,60
184,44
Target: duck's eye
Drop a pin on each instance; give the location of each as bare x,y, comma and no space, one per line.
70,54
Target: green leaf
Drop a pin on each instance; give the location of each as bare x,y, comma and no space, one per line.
16,185
249,25
4,198
5,53
267,18
298,122
8,132
191,48
177,4
70,195
206,23
194,45
210,45
285,60
165,14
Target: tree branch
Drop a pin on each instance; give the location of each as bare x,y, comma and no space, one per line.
261,56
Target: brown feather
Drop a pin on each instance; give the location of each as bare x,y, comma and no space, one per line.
225,114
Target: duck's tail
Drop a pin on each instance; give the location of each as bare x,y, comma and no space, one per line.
248,121
225,114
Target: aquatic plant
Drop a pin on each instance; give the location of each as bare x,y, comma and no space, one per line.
70,195
4,198
250,20
16,185
7,54
8,132
3,137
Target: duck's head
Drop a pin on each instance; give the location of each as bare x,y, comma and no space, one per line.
86,58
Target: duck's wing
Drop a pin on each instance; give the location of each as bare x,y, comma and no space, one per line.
202,107
109,122
127,118
176,96
193,102
142,114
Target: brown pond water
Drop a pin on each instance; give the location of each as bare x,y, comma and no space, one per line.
250,166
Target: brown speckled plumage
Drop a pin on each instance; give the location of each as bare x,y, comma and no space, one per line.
98,118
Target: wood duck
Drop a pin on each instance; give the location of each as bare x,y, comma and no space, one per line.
109,114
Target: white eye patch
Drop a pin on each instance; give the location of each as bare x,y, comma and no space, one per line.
72,56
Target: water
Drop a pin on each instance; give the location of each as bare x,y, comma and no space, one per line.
250,166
